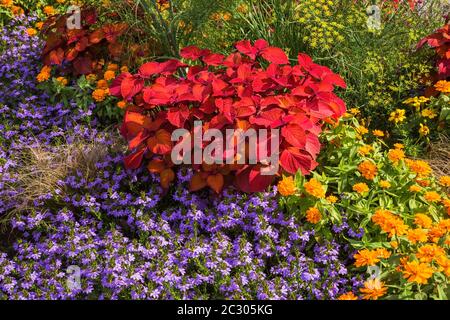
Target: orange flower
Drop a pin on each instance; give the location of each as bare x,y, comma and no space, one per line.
429,252
286,186
422,220
31,32
389,222
378,133
399,146
102,84
112,67
49,10
444,263
332,199
445,181
417,272
417,235
91,77
368,169
365,149
432,196
423,183
373,289
124,69
420,167
122,104
315,188
366,258
62,81
39,25
44,75
348,296
99,95
396,155
415,188
313,215
383,253
443,86
436,233
361,188
109,75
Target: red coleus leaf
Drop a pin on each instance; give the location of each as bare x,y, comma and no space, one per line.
114,88
193,52
82,65
160,143
166,177
215,182
57,56
275,55
113,31
134,160
97,36
250,179
294,135
213,59
198,182
177,116
292,160
246,48
130,86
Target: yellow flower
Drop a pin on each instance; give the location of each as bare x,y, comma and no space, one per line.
417,235
315,188
368,169
31,32
397,116
385,184
39,25
445,181
422,220
49,10
99,95
361,188
444,263
332,199
354,111
112,67
348,296
91,77
399,146
432,196
373,289
378,133
124,69
424,130
415,188
443,86
417,272
428,113
365,149
6,3
362,130
313,215
62,81
286,186
109,75
395,155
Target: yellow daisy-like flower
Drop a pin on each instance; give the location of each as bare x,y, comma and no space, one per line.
354,111
332,199
424,130
420,167
365,149
362,130
49,10
422,220
385,184
124,69
366,258
417,235
415,188
286,186
397,116
91,77
428,113
62,81
399,146
432,196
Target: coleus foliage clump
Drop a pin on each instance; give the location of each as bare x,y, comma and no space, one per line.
253,87
78,49
440,42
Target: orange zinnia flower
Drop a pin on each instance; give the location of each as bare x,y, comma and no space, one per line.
417,272
315,188
348,296
361,188
373,289
313,215
368,169
286,186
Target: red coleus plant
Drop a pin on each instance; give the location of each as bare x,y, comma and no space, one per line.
228,92
82,46
440,41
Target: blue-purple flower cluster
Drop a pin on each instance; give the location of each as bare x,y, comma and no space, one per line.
128,238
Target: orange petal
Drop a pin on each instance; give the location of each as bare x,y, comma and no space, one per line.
216,182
